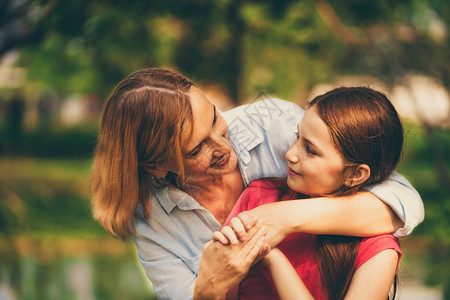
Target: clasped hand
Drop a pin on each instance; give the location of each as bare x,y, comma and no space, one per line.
227,258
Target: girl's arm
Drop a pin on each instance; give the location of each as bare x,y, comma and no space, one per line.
374,278
287,282
361,214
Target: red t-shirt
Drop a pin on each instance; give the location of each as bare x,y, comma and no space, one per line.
299,248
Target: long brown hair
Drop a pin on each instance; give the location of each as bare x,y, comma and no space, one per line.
365,127
140,129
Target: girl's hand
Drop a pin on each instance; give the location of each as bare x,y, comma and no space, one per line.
237,230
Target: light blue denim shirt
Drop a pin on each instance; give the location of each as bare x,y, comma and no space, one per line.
170,242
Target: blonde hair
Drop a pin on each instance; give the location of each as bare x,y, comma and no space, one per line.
141,128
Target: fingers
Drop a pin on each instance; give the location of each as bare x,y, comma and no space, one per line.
254,230
220,237
265,249
254,250
247,220
238,228
255,245
229,233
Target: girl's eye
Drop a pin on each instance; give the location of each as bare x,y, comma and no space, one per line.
309,150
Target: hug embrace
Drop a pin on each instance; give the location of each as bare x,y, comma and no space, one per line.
168,171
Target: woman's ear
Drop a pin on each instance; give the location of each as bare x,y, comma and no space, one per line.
358,175
157,171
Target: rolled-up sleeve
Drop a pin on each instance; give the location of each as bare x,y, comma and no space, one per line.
404,200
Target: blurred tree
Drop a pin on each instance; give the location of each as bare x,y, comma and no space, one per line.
22,22
91,45
283,46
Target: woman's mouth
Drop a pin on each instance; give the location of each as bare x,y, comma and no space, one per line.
222,161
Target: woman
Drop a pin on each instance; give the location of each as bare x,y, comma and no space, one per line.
349,138
167,172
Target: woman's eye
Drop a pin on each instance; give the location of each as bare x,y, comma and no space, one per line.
195,153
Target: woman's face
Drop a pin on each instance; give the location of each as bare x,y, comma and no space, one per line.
207,151
316,167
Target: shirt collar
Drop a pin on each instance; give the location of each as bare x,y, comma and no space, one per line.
170,196
244,136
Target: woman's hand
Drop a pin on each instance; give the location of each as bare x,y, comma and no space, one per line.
223,266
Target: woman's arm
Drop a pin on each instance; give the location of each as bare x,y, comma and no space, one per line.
404,200
361,214
287,282
374,278
396,191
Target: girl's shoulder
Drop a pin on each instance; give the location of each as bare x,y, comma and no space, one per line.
262,191
268,183
383,240
258,192
273,186
371,246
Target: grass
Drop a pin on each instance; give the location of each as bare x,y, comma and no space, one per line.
46,197
45,169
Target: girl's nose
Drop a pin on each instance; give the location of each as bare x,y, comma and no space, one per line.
291,155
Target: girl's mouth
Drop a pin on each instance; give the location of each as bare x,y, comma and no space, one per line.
292,172
222,161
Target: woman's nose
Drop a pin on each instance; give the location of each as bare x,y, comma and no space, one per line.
220,145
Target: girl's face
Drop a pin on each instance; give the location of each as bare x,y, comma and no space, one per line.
207,152
316,167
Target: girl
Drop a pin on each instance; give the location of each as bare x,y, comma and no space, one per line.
349,138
